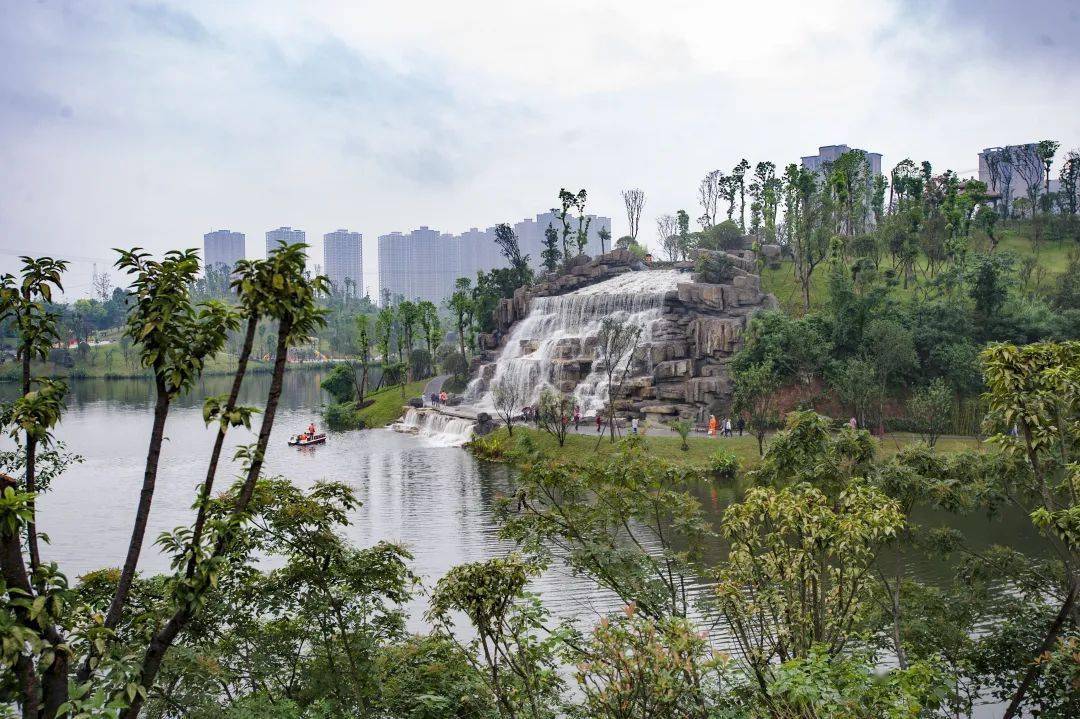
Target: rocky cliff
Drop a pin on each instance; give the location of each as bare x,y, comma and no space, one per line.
683,369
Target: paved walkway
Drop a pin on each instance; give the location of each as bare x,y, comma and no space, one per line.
434,385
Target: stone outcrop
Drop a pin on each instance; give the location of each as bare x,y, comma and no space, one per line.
583,270
684,371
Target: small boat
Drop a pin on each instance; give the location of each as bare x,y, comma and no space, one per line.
301,440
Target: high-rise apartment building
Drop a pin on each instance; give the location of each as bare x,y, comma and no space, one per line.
828,154
343,261
425,263
223,247
283,234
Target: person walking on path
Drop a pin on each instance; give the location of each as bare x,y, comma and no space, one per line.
727,427
712,425
577,418
740,424
633,426
599,423
442,397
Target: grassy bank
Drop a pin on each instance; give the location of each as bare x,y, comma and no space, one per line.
580,447
107,362
389,404
1014,237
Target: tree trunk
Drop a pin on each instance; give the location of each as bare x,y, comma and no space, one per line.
1047,642
160,643
219,441
142,514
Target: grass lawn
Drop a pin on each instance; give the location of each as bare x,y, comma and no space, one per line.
389,404
667,446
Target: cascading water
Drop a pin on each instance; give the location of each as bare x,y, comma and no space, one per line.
439,428
561,331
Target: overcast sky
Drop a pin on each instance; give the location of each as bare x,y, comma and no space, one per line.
151,123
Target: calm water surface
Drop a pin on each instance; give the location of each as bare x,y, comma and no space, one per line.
437,501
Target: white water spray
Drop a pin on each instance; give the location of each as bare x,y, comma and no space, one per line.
561,331
441,429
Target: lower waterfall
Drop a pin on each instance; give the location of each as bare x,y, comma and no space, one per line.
555,344
439,428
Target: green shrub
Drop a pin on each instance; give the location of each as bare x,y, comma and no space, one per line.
724,465
340,416
491,448
341,382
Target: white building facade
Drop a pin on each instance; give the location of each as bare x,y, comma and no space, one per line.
283,234
224,248
343,261
828,154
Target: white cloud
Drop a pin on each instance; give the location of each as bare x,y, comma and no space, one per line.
152,125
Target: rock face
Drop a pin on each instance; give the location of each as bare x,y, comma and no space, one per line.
683,370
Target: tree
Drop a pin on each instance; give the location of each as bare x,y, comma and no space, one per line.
709,196
755,396
604,235
600,514
519,667
666,229
101,285
811,591
683,221
809,233
1068,197
175,339
461,305
986,220
617,343
431,327
683,427
570,204
930,407
1028,163
507,397
855,382
551,256
555,413
1036,390
511,250
999,163
408,315
287,295
634,200
737,180
1046,150
25,303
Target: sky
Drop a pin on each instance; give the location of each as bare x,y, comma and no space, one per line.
149,124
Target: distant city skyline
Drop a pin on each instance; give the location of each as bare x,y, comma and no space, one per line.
424,263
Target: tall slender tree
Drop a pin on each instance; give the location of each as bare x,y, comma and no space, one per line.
175,338
634,201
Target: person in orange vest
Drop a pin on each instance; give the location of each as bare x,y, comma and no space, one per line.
311,431
442,397
712,425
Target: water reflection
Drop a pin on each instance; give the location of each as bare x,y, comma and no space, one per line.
436,501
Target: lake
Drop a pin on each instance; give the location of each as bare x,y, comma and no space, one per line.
436,501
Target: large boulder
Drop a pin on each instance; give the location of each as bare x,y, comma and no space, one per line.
485,425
